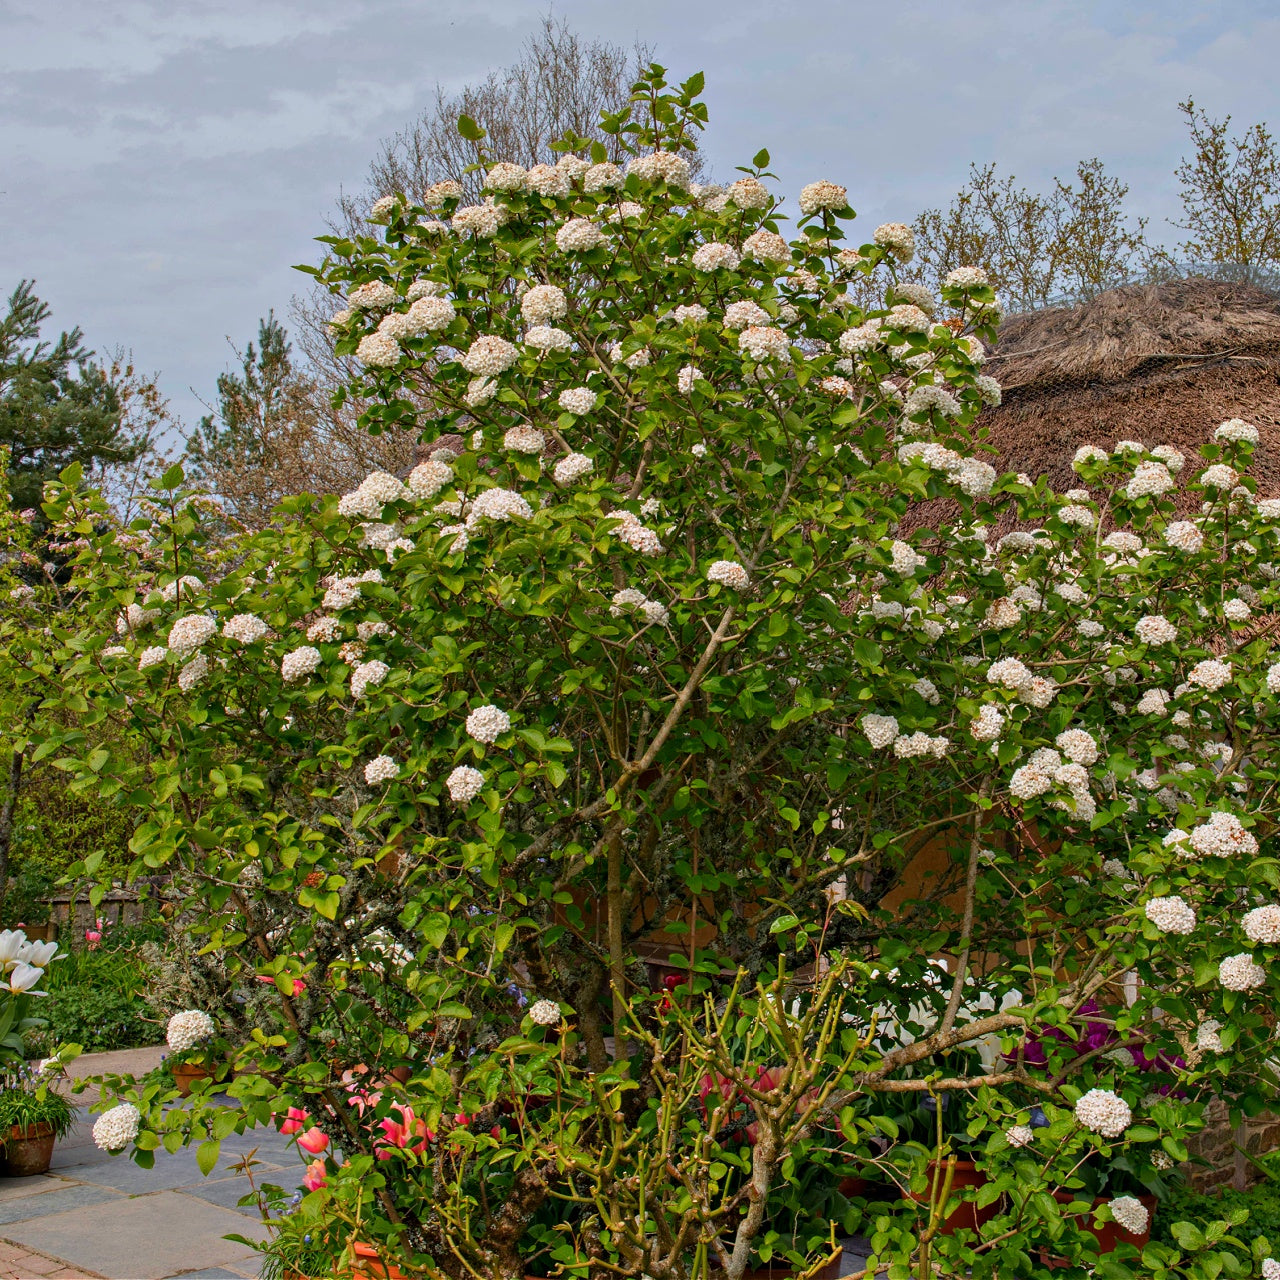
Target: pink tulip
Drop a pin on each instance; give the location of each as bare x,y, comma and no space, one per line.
314,1178
402,1135
295,1120
93,937
314,1141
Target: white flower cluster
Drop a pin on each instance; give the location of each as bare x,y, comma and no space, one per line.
1235,431
1019,1135
1130,1213
1222,836
637,535
187,1029
728,573
988,725
1262,925
546,1013
905,559
579,235
1235,610
763,343
428,478
498,504
299,663
1150,479
1239,973
767,247
189,633
1155,629
464,783
630,600
1171,915
816,196
1103,1112
1182,535
368,675
897,238
373,493
489,356
1077,745
546,338
381,769
524,439
245,628
134,618
1211,674
578,400
117,1127
571,468
152,656
1219,476
881,731
1270,1269
488,723
966,278
715,256
910,745
193,673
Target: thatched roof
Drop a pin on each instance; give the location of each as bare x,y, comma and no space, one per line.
1163,364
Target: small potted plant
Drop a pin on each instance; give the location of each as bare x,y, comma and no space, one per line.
193,1044
33,1116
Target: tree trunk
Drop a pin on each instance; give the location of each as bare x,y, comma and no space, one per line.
7,811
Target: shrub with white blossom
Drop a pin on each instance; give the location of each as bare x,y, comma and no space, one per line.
655,663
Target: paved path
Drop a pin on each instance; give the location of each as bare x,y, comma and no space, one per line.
99,1216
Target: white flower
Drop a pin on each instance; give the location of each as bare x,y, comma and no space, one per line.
1087,454
498,504
1235,430
880,730
1009,672
1030,781
1075,514
661,166
367,675
189,633
907,318
1207,1036
1078,746
966,278
544,338
1170,915
187,1029
928,691
1104,1112
298,663
897,238
762,343
572,467
686,378
1239,973
546,1013
489,355
1262,924
738,315
1130,1213
505,176
524,439
118,1127
1153,703
601,177
636,535
428,478
749,193
930,398
715,256
372,296
1270,1269
920,744
1219,476
464,784
577,400
152,656
1184,536
1019,1135
381,769
822,195
690,313
905,559
1235,610
578,235
429,315
478,393
767,247
1210,674
193,672
1154,629
988,725
488,723
1002,613
547,180
245,628
1222,836
479,220
1149,479
728,573
378,351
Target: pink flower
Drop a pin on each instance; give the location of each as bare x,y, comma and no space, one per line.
314,1178
93,937
314,1141
294,1120
298,985
402,1135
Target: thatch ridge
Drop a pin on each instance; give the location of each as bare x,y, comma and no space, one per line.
1135,330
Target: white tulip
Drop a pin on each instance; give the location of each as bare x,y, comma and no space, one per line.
11,943
24,977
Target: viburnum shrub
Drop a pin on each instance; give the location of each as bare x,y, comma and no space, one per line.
655,656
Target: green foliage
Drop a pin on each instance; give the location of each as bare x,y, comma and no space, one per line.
99,1018
57,407
33,1102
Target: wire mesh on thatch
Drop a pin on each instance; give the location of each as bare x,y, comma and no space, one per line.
1162,364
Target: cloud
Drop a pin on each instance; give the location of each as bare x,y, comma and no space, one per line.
163,165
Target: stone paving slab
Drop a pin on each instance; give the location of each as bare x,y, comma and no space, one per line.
73,1196
19,1263
147,1237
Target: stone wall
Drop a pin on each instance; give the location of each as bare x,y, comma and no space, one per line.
1222,1149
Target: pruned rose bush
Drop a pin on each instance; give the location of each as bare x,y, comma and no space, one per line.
651,658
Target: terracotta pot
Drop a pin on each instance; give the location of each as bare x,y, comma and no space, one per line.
966,1215
185,1074
781,1270
1107,1234
854,1186
369,1266
28,1151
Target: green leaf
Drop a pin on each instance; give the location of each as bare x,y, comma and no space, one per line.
1188,1235
761,158
783,922
207,1156
469,129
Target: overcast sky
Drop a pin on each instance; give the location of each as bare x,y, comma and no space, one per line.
162,165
